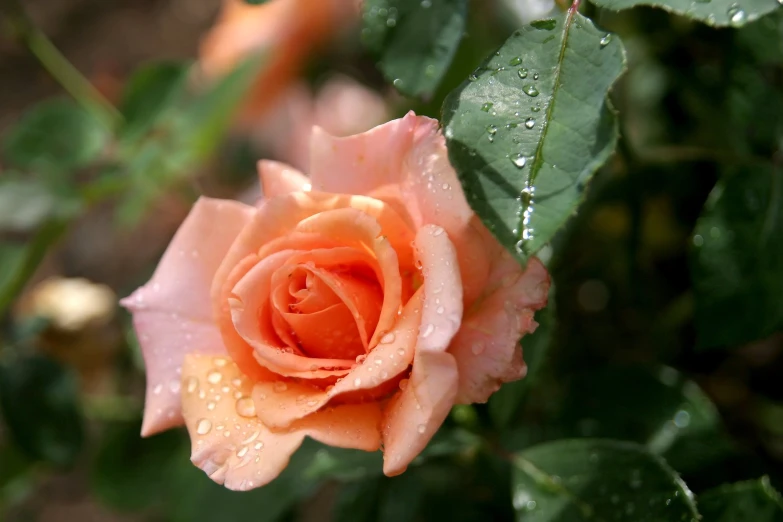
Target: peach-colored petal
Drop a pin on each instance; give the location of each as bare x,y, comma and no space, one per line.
279,178
172,314
416,413
352,225
290,401
486,348
280,216
234,448
250,315
406,160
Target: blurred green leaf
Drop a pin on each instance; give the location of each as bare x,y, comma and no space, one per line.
593,479
131,473
149,94
738,258
208,502
39,400
506,402
344,464
27,203
661,409
357,501
754,500
183,139
415,40
532,125
55,136
719,13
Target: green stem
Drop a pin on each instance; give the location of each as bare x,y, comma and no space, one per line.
23,29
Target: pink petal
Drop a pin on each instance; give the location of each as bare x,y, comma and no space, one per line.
279,178
407,160
486,348
415,414
172,313
234,448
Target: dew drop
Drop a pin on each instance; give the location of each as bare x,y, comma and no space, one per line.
522,73
157,389
427,330
403,384
191,384
518,160
243,451
477,349
530,90
515,61
174,386
258,445
422,428
214,377
736,15
219,362
487,106
388,338
203,427
246,407
211,405
605,40
378,361
280,387
357,382
530,123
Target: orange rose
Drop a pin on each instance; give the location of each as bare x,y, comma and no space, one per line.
288,30
356,306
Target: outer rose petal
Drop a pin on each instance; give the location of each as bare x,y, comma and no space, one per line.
234,448
278,179
172,312
486,346
406,160
415,414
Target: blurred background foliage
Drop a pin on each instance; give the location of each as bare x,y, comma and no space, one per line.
660,354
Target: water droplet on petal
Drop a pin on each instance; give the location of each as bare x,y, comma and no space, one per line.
403,384
157,389
242,451
203,427
357,382
214,377
280,386
388,338
427,330
422,428
191,384
258,445
477,349
246,407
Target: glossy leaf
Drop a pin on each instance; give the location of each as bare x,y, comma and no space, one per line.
415,40
532,125
737,258
719,13
55,136
595,479
39,401
660,409
754,500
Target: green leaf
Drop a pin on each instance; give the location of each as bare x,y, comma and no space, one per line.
594,479
27,203
415,40
661,409
55,136
39,400
357,502
737,258
131,473
150,92
505,403
718,13
344,464
754,500
532,125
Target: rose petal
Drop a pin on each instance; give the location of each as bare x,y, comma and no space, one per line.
353,225
279,216
234,448
416,413
278,179
486,348
289,401
250,321
171,312
409,154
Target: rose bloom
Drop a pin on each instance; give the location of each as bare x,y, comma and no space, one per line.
286,31
356,307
